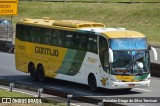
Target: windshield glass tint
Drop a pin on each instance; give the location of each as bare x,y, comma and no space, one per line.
129,62
128,44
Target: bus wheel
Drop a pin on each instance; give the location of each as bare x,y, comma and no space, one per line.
92,82
41,75
33,73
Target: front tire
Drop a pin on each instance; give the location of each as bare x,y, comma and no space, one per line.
92,82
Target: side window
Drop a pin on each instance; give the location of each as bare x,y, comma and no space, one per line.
37,36
76,43
64,39
92,44
103,45
41,35
81,41
27,33
58,37
34,34
68,40
50,37
20,31
54,37
103,52
46,33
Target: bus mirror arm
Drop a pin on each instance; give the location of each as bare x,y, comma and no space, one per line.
154,53
149,47
110,55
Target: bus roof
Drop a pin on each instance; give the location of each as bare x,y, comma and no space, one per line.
123,34
46,21
115,32
78,25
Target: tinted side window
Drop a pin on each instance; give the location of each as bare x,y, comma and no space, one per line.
34,34
68,39
57,37
103,52
92,43
44,34
81,41
19,31
23,32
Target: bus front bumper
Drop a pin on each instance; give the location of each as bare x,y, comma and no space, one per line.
123,85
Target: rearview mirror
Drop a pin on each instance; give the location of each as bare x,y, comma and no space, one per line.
154,53
110,55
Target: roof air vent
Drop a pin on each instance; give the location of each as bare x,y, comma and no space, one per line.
26,19
121,28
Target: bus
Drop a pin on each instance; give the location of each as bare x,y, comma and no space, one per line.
83,52
6,36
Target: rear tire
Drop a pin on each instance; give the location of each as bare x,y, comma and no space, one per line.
41,75
92,83
33,72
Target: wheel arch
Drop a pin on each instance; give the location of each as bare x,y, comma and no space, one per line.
93,85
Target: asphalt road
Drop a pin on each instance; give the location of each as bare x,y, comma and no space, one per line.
9,73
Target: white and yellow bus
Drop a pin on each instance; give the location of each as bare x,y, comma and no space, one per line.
82,52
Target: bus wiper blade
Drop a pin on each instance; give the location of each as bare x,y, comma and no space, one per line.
139,74
140,71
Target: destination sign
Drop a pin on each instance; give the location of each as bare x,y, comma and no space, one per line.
8,7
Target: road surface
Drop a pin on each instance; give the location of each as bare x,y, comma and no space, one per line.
9,73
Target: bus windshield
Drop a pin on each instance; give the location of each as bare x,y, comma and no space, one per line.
130,56
130,62
128,44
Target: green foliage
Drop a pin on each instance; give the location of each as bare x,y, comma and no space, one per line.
5,93
142,17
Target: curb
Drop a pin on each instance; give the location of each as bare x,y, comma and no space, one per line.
62,95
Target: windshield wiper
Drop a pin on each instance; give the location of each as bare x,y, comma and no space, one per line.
141,72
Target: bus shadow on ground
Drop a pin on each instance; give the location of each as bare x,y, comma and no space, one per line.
65,86
71,86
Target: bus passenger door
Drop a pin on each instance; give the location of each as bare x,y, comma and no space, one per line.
103,54
104,60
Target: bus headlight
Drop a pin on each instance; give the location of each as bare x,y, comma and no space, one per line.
115,80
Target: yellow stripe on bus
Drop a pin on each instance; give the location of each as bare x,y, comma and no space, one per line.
51,57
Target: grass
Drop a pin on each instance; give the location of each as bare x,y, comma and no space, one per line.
5,93
110,1
142,17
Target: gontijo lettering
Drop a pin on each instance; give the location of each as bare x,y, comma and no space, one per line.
46,51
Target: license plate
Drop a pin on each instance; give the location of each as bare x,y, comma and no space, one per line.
131,85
